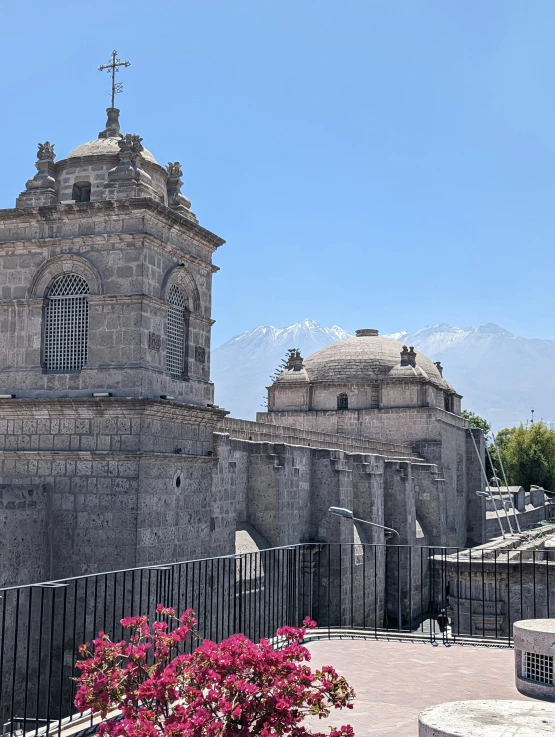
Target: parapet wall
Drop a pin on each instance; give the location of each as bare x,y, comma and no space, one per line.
270,432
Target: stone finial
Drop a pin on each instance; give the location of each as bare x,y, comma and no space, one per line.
112,124
405,356
295,360
128,177
176,200
130,145
412,357
41,189
45,151
174,169
439,367
367,332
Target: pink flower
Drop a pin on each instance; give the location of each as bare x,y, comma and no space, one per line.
234,687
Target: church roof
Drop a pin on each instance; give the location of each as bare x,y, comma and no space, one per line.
103,147
368,357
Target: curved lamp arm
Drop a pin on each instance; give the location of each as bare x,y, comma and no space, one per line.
347,514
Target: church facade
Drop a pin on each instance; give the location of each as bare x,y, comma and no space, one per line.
112,452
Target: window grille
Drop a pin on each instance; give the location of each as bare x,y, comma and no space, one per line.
538,667
342,401
175,343
66,329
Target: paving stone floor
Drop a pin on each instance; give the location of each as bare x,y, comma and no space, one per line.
394,681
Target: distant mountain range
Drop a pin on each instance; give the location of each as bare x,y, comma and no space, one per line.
500,375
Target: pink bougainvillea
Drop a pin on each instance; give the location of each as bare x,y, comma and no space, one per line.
232,688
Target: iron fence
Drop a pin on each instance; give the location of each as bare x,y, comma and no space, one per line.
356,590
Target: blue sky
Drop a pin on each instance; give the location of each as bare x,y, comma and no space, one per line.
381,163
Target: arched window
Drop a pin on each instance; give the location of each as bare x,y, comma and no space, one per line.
342,401
66,324
81,192
176,333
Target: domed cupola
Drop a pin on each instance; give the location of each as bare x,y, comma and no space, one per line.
367,372
113,166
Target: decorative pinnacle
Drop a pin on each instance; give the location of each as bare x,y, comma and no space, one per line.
45,151
112,67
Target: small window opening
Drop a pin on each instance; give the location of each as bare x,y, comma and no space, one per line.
66,325
342,401
81,192
178,482
447,402
176,335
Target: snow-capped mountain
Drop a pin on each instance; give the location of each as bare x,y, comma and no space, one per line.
241,368
500,375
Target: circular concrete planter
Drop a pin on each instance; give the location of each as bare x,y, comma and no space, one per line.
534,641
487,719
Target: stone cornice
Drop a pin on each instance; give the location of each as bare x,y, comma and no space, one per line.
88,407
197,233
96,455
339,384
178,253
100,239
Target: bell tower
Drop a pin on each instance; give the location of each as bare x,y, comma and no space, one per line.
141,318
106,402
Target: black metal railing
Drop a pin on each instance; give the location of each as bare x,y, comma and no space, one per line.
348,589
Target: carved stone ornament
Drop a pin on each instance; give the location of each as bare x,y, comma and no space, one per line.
46,151
154,341
130,143
174,169
129,169
200,354
176,200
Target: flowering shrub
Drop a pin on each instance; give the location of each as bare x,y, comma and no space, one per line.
220,690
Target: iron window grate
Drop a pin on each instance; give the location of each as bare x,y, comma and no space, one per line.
538,668
66,325
175,343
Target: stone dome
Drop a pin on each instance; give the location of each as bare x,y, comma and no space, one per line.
368,357
104,147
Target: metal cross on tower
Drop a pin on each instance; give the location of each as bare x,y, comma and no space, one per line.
112,68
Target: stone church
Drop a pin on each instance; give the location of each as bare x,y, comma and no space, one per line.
112,451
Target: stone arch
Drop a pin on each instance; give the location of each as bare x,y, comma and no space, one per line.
181,277
64,264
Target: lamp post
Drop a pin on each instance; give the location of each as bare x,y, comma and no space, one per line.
348,514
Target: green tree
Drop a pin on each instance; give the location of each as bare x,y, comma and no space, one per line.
483,425
291,352
476,421
528,453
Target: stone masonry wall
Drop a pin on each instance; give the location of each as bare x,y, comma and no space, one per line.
129,254
122,482
437,436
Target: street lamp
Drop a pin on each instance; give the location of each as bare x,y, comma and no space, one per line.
348,514
341,512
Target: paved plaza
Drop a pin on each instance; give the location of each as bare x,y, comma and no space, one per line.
394,681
